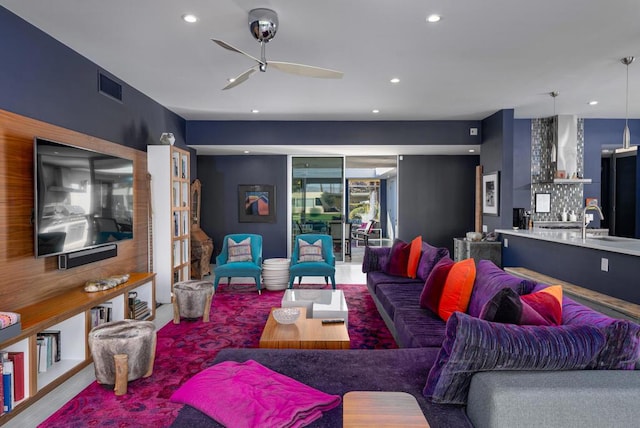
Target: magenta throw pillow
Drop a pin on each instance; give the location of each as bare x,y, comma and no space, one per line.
433,286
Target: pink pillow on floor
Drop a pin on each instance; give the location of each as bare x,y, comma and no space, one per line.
250,394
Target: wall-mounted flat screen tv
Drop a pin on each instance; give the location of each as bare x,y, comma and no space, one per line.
82,198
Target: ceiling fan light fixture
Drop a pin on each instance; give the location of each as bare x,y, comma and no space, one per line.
263,24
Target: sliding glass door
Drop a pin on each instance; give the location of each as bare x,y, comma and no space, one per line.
317,199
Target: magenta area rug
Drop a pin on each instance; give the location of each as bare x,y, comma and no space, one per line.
238,315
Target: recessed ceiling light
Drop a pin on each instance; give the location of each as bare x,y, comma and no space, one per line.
246,152
472,150
255,110
375,111
592,103
395,80
190,18
433,18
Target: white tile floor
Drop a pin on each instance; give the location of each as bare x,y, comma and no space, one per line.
346,273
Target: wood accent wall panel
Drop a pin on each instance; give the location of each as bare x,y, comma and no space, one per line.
25,279
478,204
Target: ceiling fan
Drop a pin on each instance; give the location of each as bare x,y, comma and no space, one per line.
263,24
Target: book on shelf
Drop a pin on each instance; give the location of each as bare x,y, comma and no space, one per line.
54,340
101,314
49,349
1,389
18,374
7,383
140,310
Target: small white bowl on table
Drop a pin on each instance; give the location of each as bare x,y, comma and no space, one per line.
286,315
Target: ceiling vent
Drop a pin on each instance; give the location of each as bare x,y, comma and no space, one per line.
109,87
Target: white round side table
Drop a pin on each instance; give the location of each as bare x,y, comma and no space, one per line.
275,274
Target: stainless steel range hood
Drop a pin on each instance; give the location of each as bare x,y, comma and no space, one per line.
564,152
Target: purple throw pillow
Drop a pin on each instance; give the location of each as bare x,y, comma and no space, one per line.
472,345
489,280
504,307
433,286
430,256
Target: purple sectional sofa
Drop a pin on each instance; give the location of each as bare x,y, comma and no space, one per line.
471,372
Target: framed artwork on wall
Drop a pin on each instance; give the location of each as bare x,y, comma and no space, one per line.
256,203
491,193
543,202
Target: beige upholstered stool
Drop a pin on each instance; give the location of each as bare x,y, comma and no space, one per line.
123,351
192,299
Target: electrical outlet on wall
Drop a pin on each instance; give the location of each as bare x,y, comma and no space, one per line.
604,264
589,217
506,243
484,228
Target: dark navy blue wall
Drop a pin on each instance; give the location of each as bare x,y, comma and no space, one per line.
606,132
521,164
497,155
436,198
243,133
220,177
43,79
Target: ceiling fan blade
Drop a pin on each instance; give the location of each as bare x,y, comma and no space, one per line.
234,49
305,70
241,78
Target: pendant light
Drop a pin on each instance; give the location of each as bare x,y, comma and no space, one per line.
554,142
626,135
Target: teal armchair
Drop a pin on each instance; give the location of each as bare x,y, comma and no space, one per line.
326,268
249,268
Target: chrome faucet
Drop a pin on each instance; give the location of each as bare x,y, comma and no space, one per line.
585,222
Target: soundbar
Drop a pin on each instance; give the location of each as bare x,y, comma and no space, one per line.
83,257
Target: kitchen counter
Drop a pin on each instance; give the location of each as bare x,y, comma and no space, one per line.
606,264
594,241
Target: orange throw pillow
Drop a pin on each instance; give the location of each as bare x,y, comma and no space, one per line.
414,257
457,288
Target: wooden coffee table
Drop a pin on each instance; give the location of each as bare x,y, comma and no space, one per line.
381,409
306,333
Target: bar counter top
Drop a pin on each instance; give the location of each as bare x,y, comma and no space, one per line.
614,244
